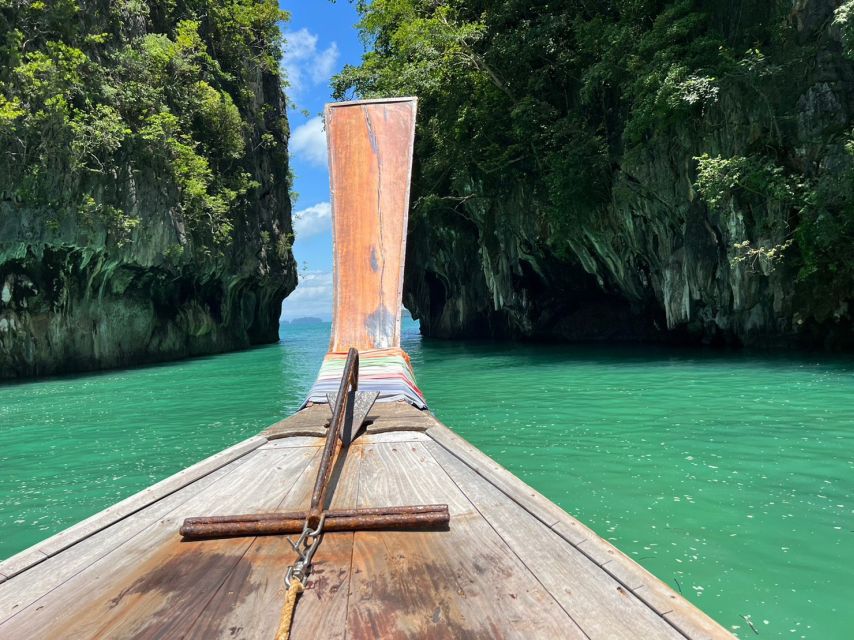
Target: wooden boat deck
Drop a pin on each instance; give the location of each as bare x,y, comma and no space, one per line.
511,564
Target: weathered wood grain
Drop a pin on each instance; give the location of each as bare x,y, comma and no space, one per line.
530,499
249,602
292,442
573,531
658,596
370,159
614,561
22,561
400,415
155,584
310,421
27,587
383,417
364,438
406,474
64,539
322,609
601,606
389,437
460,583
498,562
691,621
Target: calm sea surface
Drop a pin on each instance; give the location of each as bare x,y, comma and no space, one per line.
729,476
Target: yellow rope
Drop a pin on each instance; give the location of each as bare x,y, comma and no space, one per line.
294,590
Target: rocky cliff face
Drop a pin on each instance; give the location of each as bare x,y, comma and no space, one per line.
121,242
763,157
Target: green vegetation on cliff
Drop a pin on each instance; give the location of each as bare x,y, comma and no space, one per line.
144,182
618,126
84,90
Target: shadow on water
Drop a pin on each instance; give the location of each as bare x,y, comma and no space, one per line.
526,353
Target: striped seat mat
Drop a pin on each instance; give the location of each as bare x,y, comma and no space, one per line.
385,370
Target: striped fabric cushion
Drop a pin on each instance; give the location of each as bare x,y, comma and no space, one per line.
385,370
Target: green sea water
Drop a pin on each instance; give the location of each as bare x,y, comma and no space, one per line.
729,476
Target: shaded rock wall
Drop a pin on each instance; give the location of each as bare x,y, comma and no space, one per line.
76,293
657,262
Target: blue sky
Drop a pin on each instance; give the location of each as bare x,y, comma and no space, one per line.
321,39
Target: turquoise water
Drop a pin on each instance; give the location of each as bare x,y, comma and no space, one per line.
730,476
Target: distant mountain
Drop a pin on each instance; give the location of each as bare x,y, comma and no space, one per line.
305,320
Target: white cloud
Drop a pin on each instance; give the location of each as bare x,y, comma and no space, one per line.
303,63
312,297
309,141
324,64
313,220
300,44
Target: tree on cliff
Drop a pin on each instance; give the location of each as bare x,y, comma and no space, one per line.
86,86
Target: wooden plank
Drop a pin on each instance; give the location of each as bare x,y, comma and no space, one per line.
399,414
601,554
681,613
155,584
392,437
646,586
601,606
460,583
576,533
388,426
528,498
35,582
383,417
365,438
406,474
22,561
676,609
249,603
322,609
64,539
310,421
690,620
632,575
293,441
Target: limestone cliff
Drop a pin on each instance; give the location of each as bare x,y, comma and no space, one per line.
662,171
144,188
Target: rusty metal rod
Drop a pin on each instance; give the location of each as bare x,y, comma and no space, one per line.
330,515
428,519
332,447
